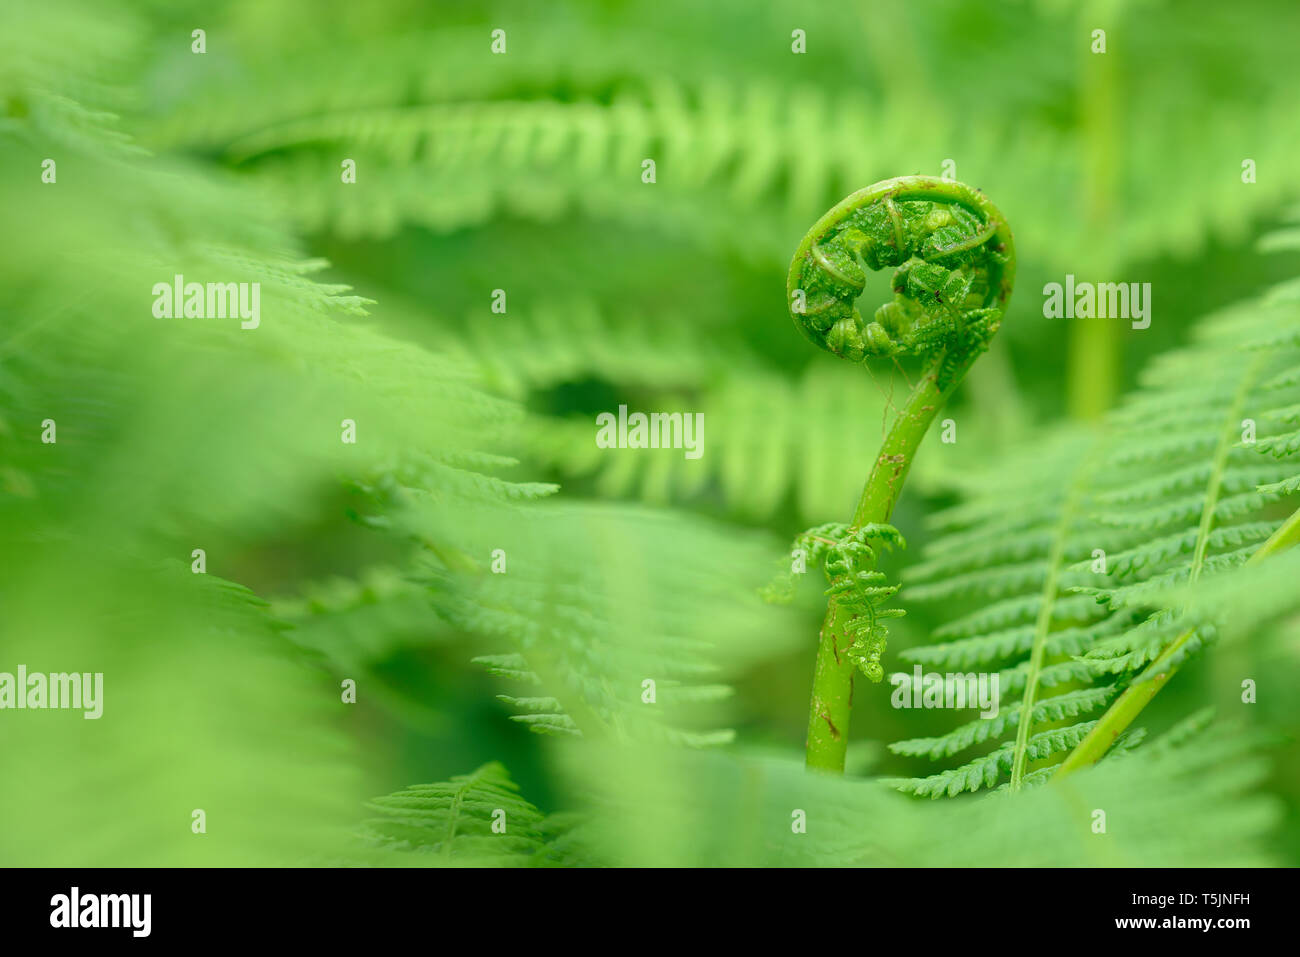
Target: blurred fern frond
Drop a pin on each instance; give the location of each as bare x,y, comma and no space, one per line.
709,809
604,615
477,819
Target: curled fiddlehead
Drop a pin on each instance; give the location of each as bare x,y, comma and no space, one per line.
954,265
953,261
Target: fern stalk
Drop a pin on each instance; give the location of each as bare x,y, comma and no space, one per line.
955,265
1043,624
832,695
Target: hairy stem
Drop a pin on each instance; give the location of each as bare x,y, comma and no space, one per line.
832,695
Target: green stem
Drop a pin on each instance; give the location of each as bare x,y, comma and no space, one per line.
1096,345
1042,625
832,695
945,240
1136,697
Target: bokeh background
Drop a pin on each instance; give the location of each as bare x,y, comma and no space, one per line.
522,171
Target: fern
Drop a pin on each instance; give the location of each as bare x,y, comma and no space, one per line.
189,441
478,819
285,617
768,440
955,270
706,809
1159,515
727,145
600,654
846,555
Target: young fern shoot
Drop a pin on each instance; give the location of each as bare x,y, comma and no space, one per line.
954,264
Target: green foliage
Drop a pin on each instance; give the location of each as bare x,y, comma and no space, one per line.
177,435
376,563
474,819
600,652
723,812
707,810
1093,576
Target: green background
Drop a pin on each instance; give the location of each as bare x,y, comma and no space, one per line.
522,172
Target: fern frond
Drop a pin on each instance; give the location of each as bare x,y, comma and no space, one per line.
767,438
984,771
1179,503
477,819
709,808
1069,704
989,647
608,650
